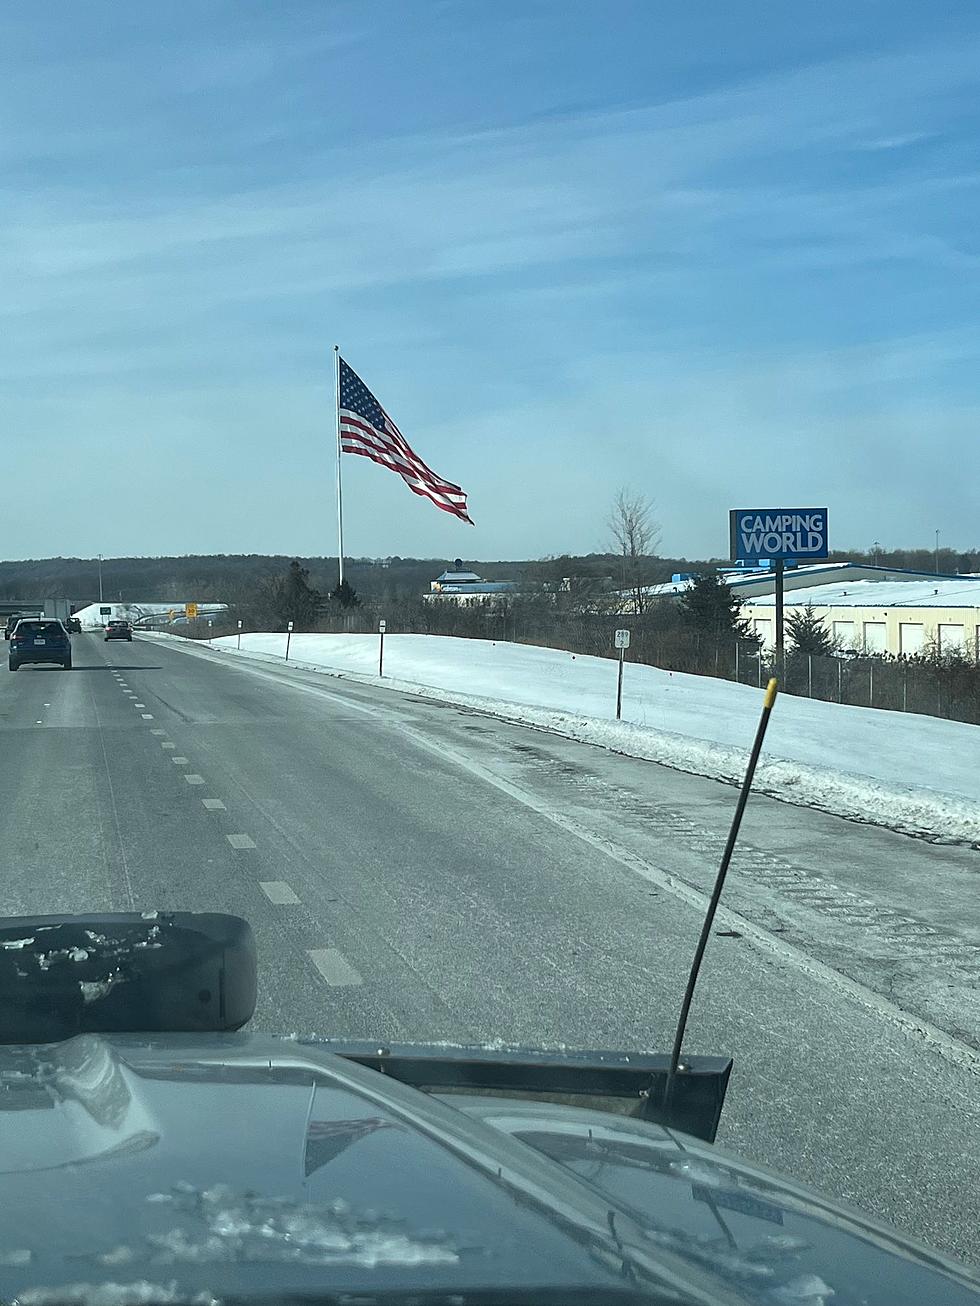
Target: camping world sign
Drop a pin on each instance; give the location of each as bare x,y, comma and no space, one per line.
778,533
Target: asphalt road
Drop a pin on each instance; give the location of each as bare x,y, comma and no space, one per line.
417,871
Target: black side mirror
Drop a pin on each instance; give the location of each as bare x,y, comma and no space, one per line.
124,973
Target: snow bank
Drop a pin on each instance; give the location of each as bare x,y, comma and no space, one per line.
911,773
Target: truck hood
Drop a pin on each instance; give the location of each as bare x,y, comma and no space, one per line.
199,1167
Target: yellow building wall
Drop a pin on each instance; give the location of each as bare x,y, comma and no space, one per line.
886,630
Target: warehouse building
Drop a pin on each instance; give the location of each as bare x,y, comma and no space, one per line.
901,617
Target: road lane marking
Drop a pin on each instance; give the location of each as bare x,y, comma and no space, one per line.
139,705
240,841
194,779
147,716
158,732
334,967
167,743
179,761
214,804
279,892
45,704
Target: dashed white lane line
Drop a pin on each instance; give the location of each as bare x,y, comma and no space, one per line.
279,892
166,743
45,704
147,716
334,967
194,779
179,761
158,732
214,804
240,841
139,705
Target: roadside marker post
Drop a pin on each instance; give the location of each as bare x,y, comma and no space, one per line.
382,627
239,636
210,627
622,643
289,635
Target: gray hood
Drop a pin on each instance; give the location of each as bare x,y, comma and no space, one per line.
236,1165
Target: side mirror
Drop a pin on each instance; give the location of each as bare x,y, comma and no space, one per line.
124,973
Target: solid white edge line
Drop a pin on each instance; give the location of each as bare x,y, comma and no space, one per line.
946,1045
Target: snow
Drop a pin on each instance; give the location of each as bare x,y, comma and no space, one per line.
917,774
882,594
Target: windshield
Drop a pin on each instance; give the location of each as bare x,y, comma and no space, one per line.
451,417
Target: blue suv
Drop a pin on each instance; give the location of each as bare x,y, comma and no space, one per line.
39,639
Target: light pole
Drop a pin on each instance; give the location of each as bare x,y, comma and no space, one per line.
937,553
100,577
876,546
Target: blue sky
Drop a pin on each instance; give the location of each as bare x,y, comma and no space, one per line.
725,254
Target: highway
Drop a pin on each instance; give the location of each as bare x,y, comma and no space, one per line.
413,870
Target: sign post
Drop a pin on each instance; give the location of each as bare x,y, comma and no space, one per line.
289,635
777,536
105,612
622,643
239,635
210,627
382,627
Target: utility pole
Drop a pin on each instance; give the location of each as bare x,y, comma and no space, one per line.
937,553
100,577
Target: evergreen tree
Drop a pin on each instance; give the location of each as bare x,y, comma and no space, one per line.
345,595
295,599
712,609
809,633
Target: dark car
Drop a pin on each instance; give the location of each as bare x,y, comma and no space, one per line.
152,1154
74,626
119,630
39,639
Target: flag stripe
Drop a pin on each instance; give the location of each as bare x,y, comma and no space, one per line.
357,434
384,461
441,501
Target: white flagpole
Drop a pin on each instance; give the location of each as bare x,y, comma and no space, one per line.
340,493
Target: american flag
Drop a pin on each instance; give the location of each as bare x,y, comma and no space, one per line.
366,428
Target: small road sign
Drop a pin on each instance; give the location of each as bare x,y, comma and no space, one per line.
190,611
622,639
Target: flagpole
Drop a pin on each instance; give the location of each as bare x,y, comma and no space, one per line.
340,493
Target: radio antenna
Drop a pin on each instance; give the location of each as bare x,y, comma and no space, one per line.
726,858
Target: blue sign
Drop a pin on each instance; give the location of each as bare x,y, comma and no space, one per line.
778,534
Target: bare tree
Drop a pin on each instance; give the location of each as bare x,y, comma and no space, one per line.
635,535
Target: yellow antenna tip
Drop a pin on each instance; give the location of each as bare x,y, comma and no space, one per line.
771,692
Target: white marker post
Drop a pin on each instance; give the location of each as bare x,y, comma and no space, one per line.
622,643
382,627
239,636
210,625
289,635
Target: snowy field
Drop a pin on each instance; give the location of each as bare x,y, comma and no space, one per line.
911,773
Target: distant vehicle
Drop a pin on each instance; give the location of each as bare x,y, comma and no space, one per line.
73,626
39,639
119,630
